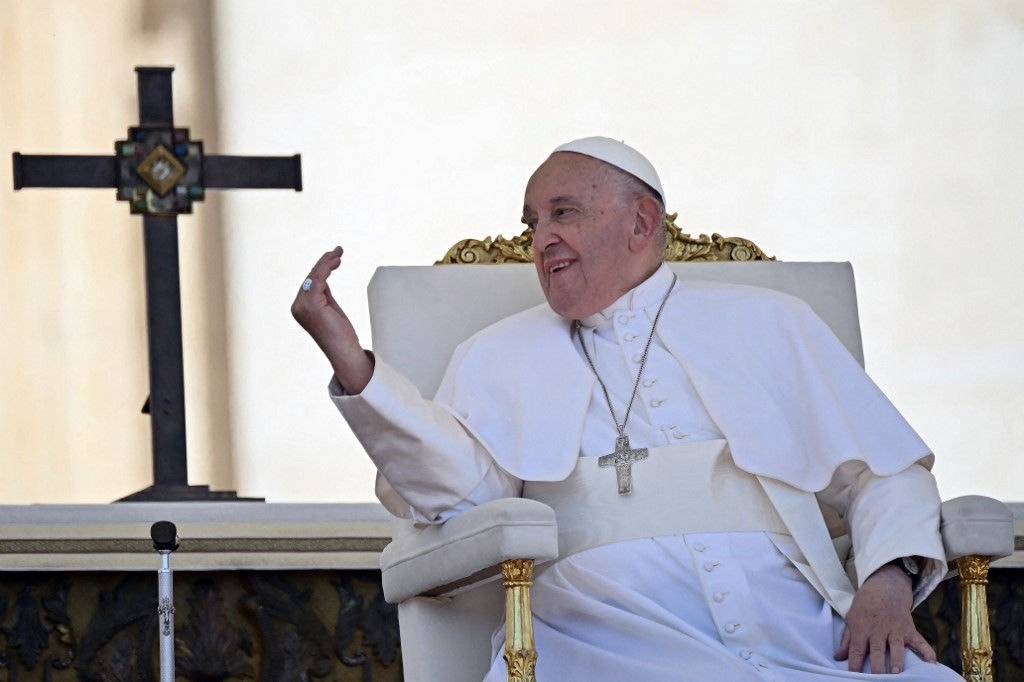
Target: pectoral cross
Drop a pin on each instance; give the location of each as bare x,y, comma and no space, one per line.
622,459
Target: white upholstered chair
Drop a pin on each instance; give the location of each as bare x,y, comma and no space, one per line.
445,578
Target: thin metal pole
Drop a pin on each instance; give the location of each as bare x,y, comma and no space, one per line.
165,586
165,541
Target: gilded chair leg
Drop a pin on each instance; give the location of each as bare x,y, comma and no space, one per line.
520,656
975,637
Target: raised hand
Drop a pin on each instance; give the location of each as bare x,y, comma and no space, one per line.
317,311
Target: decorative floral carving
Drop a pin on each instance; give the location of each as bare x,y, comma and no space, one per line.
977,666
380,629
124,622
296,644
517,572
973,570
208,646
102,627
521,665
1008,596
112,620
678,247
350,609
378,623
27,636
518,249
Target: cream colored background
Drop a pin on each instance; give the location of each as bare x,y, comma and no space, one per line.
889,134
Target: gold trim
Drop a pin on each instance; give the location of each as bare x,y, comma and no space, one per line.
679,246
975,637
520,655
161,170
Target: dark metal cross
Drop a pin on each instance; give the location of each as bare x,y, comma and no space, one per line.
622,459
160,172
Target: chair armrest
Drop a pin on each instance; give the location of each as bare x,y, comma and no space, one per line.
436,560
976,525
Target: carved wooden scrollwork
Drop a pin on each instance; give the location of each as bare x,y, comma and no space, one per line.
679,246
232,626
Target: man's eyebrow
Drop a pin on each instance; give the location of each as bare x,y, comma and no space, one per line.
560,199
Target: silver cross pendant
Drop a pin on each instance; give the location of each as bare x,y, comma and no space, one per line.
622,459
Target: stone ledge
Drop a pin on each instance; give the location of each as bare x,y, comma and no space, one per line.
220,536
213,536
1015,560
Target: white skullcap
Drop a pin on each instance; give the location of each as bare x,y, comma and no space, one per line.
618,154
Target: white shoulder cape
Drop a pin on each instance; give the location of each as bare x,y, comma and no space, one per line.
790,399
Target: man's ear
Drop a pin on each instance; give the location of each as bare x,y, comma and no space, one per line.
645,223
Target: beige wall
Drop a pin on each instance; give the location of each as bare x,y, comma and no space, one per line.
887,134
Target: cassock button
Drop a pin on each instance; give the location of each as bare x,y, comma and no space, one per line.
678,435
649,382
732,627
710,565
719,597
746,654
630,336
623,319
656,402
638,358
700,547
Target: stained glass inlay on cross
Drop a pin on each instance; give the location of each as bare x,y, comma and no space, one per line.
159,171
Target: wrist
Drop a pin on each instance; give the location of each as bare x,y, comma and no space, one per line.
908,566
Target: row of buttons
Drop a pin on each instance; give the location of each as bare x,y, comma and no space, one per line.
628,331
717,583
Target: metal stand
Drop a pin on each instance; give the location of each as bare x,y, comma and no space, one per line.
165,541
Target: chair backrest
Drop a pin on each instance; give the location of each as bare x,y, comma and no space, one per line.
419,314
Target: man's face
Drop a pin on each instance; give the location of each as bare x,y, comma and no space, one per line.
582,220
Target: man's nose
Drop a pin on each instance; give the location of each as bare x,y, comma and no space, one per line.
544,235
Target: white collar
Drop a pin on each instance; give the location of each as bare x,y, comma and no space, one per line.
647,294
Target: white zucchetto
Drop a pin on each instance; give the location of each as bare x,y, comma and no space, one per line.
617,154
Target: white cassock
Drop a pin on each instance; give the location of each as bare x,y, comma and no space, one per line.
519,403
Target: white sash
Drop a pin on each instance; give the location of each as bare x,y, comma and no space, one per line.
685,488
694,488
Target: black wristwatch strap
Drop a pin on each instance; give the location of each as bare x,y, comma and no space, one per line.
908,566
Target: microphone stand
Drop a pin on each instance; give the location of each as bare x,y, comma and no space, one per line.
165,541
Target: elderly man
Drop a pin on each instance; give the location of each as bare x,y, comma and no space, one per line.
730,411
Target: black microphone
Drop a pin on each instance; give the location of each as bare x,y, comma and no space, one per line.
165,536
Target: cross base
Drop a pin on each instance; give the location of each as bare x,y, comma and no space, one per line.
186,493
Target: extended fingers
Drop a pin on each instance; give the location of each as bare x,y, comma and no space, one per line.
921,647
871,650
316,281
897,651
327,264
858,650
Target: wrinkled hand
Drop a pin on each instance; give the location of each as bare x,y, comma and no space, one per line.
879,621
319,314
